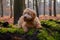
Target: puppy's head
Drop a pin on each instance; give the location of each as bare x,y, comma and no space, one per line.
29,15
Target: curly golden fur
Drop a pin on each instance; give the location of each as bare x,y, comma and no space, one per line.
29,19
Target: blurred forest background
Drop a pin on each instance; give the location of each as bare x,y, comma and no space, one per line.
14,8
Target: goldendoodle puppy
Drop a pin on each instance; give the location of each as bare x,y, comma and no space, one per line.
29,19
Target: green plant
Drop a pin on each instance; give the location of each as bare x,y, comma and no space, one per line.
50,30
31,31
3,30
50,24
44,35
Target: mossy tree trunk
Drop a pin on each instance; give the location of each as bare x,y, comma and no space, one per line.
19,6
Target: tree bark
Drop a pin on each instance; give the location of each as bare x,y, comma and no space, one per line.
37,8
11,8
44,7
19,6
50,7
55,8
1,8
28,3
33,4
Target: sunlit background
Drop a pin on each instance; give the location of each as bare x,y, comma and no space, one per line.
7,10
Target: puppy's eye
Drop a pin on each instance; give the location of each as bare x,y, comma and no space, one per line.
28,13
24,13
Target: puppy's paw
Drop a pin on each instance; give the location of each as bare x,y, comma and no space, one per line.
39,27
25,30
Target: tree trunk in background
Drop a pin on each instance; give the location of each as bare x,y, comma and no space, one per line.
11,8
1,8
37,8
50,7
23,3
33,4
28,3
44,7
19,6
55,8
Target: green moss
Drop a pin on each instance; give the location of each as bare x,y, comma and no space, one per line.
31,31
50,24
46,33
11,30
3,30
20,31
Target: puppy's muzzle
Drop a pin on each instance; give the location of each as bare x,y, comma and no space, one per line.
26,16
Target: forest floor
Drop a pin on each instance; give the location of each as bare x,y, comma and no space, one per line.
7,18
41,17
46,17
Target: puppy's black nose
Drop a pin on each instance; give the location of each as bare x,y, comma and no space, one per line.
25,17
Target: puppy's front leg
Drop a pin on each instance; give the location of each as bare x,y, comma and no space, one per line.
19,24
38,24
20,21
24,27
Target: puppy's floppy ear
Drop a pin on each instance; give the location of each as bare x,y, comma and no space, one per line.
34,14
23,12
